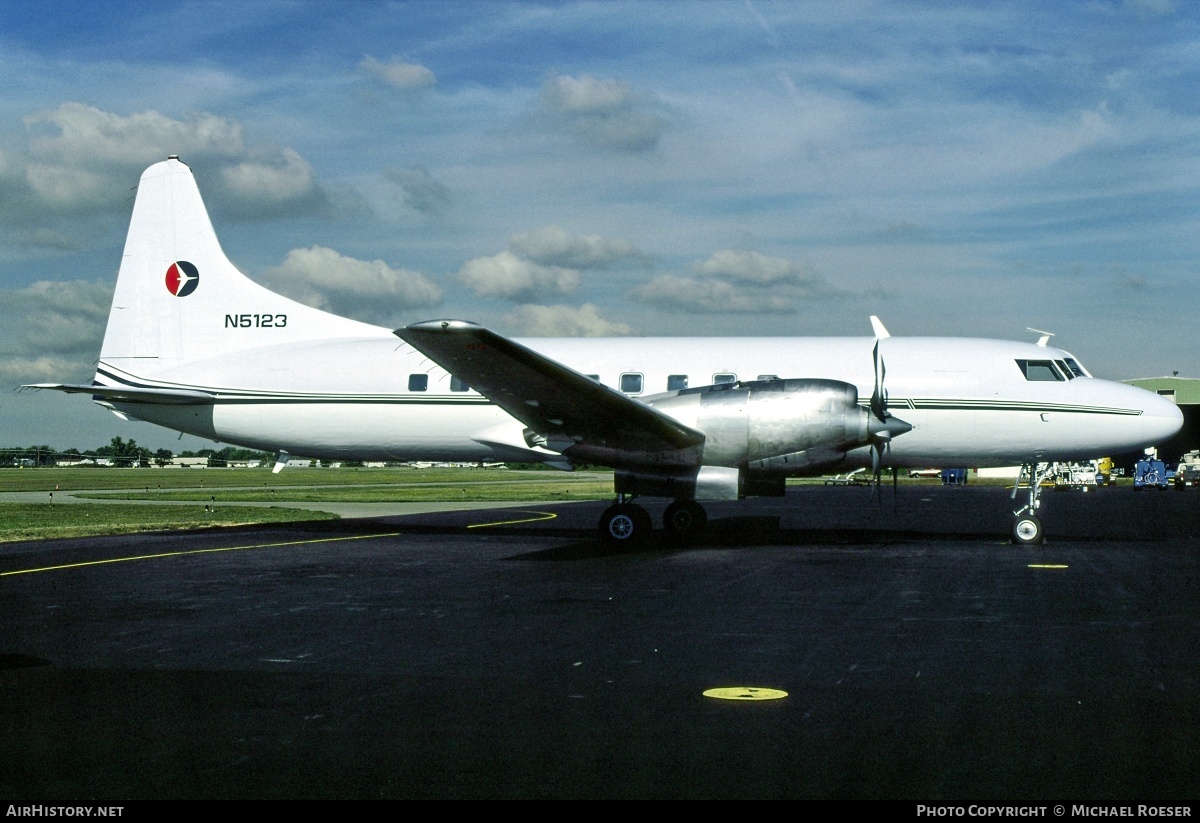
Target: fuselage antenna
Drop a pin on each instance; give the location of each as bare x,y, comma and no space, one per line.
1045,336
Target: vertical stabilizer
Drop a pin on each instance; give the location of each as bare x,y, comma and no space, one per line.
178,299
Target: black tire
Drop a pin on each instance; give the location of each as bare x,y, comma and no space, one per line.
625,524
1027,531
684,519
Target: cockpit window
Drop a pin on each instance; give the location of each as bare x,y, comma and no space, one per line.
1040,370
1074,367
1065,369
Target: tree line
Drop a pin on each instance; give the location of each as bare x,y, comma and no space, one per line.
122,453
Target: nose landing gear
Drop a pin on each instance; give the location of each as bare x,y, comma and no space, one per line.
1027,527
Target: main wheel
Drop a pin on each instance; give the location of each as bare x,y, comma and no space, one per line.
625,524
684,519
1027,531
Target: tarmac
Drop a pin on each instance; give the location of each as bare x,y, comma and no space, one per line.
886,646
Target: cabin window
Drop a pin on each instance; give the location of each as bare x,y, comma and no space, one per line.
631,383
418,382
1040,370
767,377
724,377
675,382
458,384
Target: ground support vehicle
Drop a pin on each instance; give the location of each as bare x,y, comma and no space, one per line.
1151,473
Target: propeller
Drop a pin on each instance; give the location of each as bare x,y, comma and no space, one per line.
883,425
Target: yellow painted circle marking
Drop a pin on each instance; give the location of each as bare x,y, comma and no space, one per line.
745,693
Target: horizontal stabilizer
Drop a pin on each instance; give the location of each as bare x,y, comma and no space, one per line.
127,394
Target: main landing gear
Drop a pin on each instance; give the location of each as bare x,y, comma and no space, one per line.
627,524
1027,526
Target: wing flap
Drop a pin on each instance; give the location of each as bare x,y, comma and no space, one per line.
553,400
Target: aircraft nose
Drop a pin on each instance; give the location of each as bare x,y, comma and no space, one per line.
1161,417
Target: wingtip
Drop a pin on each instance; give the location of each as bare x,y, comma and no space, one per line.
878,327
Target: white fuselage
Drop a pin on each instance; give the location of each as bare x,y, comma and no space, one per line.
967,400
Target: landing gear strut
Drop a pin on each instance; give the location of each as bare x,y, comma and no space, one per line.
1027,526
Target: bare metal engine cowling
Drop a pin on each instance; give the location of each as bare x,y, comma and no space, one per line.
777,426
757,433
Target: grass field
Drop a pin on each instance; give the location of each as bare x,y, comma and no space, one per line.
45,518
26,521
50,479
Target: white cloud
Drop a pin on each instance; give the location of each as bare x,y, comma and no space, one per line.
752,267
289,178
325,279
601,113
398,74
508,276
78,134
705,296
738,282
553,246
82,160
563,321
53,330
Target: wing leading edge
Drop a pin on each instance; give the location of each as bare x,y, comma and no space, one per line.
565,411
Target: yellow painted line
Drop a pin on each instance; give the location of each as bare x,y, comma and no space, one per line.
745,693
1048,566
541,516
197,551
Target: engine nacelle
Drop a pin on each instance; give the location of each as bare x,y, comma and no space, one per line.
777,426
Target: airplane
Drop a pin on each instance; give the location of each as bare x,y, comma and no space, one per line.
194,345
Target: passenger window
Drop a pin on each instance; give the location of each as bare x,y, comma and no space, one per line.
458,384
767,377
631,383
675,382
1039,370
418,382
718,379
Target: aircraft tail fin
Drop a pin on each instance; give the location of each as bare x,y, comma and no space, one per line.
179,299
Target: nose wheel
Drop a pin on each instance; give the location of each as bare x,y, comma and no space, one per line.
1027,530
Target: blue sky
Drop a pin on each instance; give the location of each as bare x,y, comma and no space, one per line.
645,168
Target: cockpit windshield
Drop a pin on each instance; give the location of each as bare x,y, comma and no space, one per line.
1051,370
1076,369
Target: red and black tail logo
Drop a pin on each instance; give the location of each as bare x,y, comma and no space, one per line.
182,278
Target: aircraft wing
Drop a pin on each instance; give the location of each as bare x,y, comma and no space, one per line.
173,397
566,407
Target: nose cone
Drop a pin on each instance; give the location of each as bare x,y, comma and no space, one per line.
1142,418
1162,418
